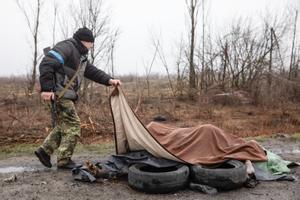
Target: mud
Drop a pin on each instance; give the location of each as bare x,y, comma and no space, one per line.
36,182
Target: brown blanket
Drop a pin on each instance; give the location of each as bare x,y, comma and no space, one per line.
204,144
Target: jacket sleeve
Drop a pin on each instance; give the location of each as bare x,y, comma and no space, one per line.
47,70
97,75
50,65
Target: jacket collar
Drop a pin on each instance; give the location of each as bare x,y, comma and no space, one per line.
79,46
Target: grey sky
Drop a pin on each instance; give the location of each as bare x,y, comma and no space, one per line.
136,19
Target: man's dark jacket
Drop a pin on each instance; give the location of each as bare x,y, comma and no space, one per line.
55,75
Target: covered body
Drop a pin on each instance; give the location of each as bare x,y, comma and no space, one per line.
204,144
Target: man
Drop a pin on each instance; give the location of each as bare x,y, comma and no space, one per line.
61,72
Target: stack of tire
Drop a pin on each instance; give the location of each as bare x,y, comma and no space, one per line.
226,176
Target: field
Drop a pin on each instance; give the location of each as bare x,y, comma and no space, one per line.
27,119
25,122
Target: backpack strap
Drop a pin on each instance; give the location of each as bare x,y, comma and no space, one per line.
61,94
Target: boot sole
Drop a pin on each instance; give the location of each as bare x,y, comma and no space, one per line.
45,163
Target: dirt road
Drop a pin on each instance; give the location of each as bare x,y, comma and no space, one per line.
55,184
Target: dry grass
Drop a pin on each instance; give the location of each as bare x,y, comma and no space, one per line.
26,120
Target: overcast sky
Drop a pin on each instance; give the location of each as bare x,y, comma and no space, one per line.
136,19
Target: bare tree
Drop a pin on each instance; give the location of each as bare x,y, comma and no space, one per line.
270,63
192,6
33,23
111,51
292,61
180,69
165,64
297,63
65,24
148,68
55,10
203,44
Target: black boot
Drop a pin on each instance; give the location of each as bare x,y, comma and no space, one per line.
69,165
43,157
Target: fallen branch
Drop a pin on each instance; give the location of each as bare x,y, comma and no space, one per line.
15,118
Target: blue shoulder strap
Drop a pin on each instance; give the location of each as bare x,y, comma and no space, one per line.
57,56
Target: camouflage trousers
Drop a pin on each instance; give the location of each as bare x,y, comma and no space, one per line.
65,134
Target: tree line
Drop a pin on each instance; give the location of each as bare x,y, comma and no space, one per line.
261,57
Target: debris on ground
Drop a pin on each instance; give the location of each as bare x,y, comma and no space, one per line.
203,188
11,179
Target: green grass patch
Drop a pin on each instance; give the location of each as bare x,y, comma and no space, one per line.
295,137
17,150
105,148
28,149
263,138
260,138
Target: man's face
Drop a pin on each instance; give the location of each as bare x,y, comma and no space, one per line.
88,45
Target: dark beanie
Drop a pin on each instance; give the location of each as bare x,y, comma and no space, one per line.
84,34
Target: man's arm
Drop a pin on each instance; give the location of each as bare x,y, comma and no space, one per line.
47,70
99,76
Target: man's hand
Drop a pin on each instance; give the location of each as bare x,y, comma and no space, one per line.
47,96
114,82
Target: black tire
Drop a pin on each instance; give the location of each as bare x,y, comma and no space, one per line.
150,179
227,176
